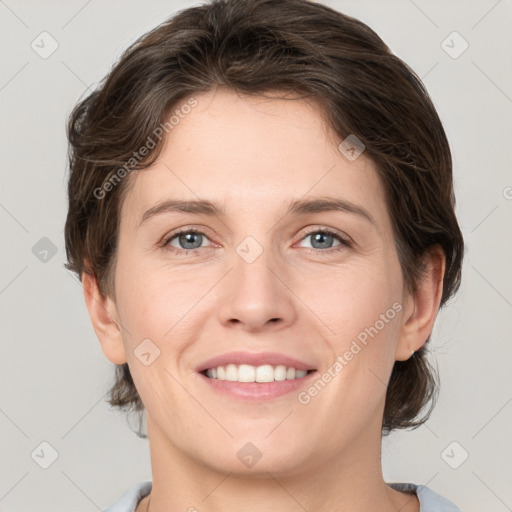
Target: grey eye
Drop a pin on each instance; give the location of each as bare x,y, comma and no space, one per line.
187,240
323,239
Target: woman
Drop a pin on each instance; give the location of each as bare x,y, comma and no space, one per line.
261,213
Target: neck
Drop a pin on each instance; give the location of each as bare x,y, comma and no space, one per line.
349,481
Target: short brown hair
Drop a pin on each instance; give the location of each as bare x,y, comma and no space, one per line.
253,47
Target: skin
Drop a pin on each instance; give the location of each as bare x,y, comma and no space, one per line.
323,456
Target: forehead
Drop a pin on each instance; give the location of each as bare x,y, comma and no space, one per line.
253,153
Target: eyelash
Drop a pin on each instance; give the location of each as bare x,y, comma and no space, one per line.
344,242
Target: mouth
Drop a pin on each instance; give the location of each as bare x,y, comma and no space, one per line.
255,376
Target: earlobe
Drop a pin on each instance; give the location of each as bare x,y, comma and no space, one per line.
423,305
104,317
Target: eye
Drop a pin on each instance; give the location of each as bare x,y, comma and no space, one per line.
188,240
322,239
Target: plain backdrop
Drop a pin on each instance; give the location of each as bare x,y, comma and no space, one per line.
53,373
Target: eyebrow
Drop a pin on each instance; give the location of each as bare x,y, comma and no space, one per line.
295,207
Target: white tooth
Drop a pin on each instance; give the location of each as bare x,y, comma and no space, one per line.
280,372
290,373
246,373
231,372
265,373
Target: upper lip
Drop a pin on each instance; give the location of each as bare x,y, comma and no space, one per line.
254,359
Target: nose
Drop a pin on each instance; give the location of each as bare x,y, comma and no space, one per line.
256,295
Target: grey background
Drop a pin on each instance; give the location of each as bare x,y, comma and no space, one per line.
53,373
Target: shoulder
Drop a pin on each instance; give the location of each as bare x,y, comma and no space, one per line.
429,500
130,499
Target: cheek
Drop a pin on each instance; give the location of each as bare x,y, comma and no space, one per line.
162,311
363,311
156,309
358,299
362,308
152,301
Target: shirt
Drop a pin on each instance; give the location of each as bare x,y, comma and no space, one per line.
429,500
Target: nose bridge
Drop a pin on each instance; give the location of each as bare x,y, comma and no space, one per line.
255,263
257,293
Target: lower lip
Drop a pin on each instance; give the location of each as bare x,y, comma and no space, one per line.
257,391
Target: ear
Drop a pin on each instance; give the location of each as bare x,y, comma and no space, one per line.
421,307
105,320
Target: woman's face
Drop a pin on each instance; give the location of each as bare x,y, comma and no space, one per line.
259,285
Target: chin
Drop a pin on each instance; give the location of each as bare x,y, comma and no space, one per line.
257,458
